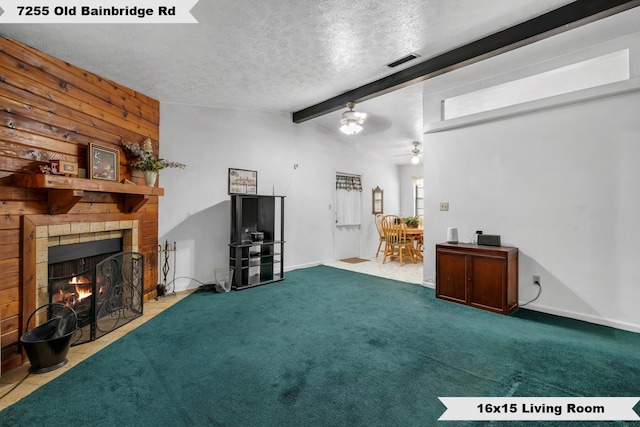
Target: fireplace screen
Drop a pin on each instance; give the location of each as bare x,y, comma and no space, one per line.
104,297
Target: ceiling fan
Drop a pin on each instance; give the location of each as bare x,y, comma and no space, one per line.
415,154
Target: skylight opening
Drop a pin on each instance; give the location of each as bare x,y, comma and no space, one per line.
602,70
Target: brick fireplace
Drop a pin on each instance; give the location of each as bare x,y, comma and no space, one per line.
41,232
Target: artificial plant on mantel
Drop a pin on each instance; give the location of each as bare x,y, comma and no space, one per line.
144,160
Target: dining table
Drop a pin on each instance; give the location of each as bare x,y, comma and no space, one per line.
415,234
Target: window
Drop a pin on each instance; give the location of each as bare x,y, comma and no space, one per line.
418,196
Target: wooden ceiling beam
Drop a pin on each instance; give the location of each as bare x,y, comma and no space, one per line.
564,18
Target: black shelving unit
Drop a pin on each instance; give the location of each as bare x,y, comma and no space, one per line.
256,263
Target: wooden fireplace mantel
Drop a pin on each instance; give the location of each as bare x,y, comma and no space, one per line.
64,192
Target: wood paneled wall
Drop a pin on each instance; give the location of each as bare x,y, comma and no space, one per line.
50,109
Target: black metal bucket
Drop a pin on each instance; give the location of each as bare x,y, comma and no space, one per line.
47,345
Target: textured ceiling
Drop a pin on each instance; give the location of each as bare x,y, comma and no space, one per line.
283,55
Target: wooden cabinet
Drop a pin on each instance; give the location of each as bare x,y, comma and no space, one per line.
484,277
256,261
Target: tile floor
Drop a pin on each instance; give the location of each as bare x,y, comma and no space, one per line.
411,273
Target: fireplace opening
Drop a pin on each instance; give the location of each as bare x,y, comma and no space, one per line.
100,282
67,260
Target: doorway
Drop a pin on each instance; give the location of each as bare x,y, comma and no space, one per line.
348,215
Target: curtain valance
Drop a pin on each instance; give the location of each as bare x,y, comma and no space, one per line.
349,183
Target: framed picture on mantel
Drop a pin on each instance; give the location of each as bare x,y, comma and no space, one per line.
103,163
242,181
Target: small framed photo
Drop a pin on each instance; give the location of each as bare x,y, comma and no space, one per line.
242,181
65,168
103,163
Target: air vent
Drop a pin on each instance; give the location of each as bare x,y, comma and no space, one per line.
401,61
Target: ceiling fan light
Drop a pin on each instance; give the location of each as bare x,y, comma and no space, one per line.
352,121
415,160
353,116
350,128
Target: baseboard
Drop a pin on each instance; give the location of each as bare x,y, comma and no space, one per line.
299,266
428,284
585,317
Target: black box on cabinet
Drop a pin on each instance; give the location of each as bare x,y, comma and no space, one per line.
489,239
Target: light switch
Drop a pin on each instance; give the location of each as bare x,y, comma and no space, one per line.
444,206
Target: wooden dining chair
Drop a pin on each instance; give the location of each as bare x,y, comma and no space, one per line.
420,240
397,244
378,221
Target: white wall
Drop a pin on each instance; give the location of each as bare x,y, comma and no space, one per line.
560,184
195,209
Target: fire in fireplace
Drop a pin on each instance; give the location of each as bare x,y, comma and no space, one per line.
79,288
104,286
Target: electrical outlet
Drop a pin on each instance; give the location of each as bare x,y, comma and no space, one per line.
536,280
444,206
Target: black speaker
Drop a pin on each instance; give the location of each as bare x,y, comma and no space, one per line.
489,240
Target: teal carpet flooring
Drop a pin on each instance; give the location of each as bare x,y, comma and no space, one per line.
329,347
